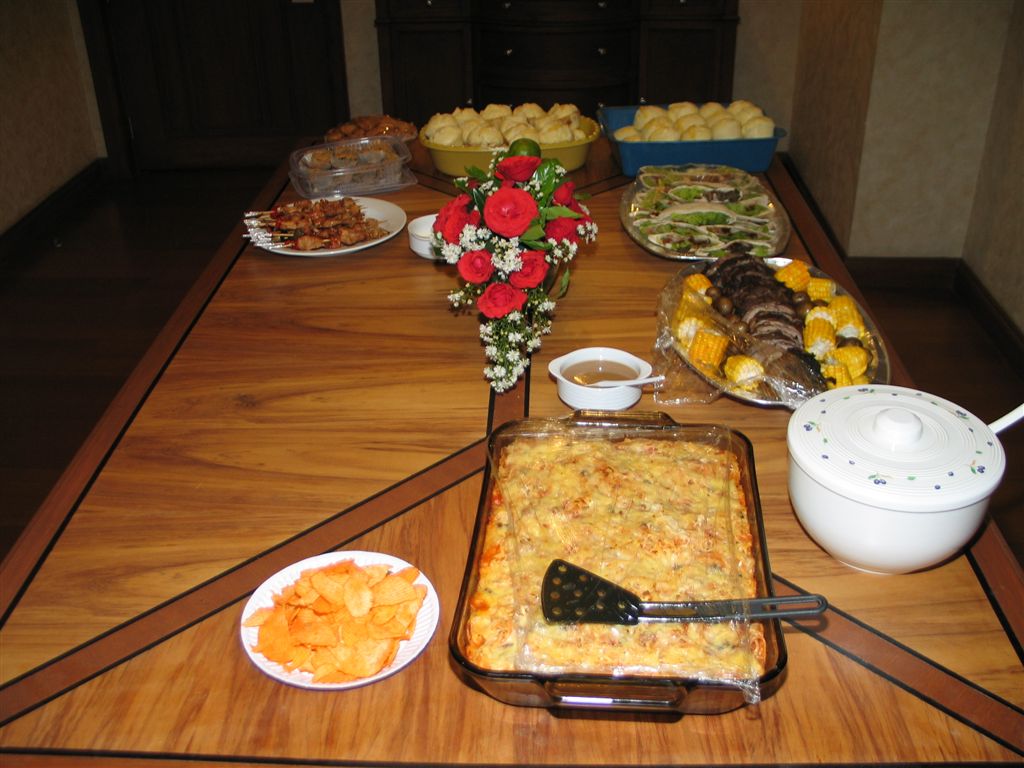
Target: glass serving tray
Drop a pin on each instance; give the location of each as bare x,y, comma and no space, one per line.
701,212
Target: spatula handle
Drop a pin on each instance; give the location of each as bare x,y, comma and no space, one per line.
791,606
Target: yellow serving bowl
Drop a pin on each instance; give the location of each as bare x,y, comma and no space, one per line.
455,160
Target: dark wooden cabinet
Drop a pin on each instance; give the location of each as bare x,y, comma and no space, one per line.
426,57
440,54
230,83
687,50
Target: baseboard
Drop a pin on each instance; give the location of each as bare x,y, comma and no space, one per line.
1007,336
904,274
945,277
41,219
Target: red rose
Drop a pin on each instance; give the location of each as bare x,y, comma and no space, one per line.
517,167
498,299
565,194
454,216
476,267
562,228
533,271
509,211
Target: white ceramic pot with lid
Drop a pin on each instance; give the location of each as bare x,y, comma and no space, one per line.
889,479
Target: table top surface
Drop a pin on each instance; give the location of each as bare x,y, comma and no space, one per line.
295,406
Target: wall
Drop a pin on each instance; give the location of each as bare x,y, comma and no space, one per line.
995,231
932,90
49,124
362,65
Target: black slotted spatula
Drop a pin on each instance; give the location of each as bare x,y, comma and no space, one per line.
572,594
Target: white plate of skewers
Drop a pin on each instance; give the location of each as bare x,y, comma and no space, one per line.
325,226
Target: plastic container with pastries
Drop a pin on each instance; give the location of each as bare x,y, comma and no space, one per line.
365,166
666,510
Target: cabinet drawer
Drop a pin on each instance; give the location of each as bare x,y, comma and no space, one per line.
530,12
421,10
562,55
587,99
679,9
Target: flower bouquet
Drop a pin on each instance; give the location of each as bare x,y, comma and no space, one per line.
512,232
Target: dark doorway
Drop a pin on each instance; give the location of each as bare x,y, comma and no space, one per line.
214,83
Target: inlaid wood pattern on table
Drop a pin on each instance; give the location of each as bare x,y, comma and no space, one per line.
336,402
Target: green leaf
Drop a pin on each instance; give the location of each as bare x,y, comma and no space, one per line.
563,285
558,211
534,233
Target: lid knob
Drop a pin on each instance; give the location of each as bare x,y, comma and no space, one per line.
896,428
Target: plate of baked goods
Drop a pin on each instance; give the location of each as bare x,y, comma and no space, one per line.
770,331
325,226
691,212
339,620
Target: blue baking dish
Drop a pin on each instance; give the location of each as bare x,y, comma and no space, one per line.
753,155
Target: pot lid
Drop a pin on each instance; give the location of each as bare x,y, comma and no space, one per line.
896,448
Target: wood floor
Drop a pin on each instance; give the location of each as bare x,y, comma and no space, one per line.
81,303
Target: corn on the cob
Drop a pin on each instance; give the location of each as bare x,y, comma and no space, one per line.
819,337
708,348
855,359
687,326
794,275
861,380
846,317
820,288
743,371
824,312
697,282
836,375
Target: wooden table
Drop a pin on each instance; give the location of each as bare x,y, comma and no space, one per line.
295,406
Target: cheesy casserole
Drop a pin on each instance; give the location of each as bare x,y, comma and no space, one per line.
666,519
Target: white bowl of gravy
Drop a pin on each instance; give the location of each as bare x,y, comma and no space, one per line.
576,372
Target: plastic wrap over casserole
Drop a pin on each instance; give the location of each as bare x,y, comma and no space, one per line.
668,511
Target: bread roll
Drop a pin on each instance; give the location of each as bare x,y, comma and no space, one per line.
686,121
627,133
529,111
522,131
681,109
463,114
729,128
737,106
568,113
709,109
448,136
696,133
436,123
661,133
760,127
657,124
646,113
494,111
748,114
555,133
484,135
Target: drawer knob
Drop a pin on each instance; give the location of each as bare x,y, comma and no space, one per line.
508,51
506,5
602,4
602,51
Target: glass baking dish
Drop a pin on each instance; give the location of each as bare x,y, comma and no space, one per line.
526,676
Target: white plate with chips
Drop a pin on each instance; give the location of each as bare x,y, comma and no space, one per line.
408,650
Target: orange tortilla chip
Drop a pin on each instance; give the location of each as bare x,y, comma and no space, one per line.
340,623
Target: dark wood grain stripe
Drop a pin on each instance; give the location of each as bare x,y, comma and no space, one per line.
998,719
